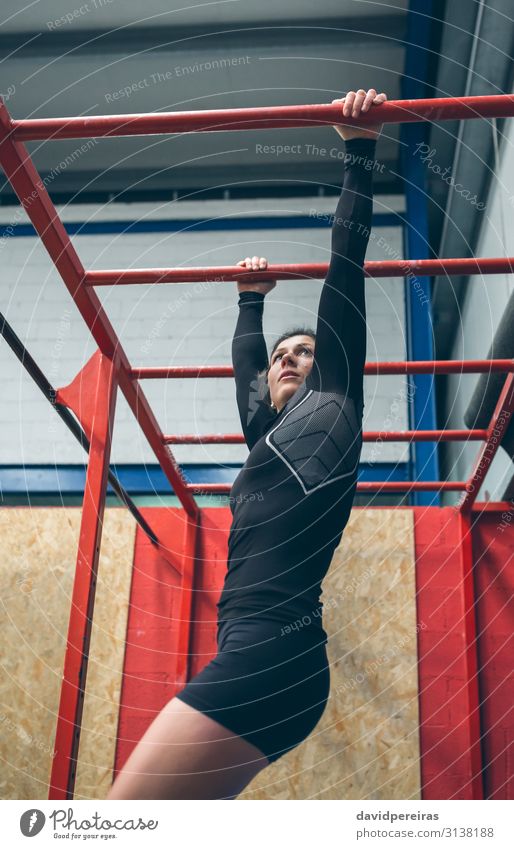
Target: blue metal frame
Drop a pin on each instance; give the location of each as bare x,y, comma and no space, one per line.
180,225
146,480
418,291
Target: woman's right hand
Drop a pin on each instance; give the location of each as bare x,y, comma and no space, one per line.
255,264
355,103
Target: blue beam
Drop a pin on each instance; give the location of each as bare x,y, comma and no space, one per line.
420,341
183,225
148,479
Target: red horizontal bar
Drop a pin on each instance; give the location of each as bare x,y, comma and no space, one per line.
299,271
261,118
370,486
408,367
492,507
367,436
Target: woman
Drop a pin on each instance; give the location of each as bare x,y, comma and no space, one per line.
268,685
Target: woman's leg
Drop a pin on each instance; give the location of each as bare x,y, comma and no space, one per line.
185,754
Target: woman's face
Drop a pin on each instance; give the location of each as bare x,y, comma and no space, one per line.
290,364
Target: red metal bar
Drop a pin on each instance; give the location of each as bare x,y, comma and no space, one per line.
364,486
407,367
298,271
500,421
262,118
187,587
367,436
101,383
492,506
33,195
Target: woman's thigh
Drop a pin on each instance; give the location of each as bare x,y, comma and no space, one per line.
186,754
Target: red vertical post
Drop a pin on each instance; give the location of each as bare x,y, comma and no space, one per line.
98,387
186,599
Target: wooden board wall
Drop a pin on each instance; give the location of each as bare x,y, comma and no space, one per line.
37,566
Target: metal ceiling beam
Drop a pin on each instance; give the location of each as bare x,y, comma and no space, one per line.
127,39
486,59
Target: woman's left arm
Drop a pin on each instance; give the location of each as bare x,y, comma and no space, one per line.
249,354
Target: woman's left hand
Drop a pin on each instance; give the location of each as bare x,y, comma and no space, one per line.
355,103
255,263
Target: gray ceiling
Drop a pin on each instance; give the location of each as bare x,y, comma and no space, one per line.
104,15
232,53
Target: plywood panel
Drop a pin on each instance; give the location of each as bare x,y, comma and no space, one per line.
366,743
36,574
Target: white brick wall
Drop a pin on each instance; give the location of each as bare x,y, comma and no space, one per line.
177,325
484,305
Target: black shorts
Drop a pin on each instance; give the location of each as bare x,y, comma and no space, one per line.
267,686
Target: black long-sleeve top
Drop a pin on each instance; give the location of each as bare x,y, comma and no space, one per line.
293,496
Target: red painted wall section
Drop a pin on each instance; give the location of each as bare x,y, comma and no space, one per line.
449,716
153,627
493,554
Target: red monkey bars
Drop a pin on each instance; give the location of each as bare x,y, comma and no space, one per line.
261,118
92,394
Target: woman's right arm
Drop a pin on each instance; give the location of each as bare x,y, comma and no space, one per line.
249,354
340,350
